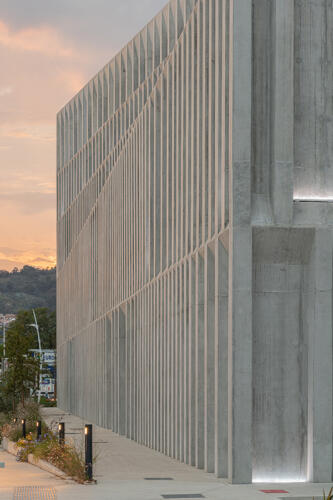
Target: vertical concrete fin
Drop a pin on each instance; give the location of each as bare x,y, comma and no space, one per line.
240,246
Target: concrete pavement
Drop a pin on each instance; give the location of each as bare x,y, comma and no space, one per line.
17,474
122,466
124,471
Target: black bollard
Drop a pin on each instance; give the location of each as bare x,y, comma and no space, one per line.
88,451
24,432
61,429
39,430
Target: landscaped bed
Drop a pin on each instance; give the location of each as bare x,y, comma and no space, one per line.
63,456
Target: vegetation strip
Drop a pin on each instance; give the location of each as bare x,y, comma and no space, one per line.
63,456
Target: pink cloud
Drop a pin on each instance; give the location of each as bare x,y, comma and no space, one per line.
41,132
73,80
42,39
42,69
5,91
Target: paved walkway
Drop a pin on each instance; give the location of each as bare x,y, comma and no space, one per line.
121,468
18,474
119,458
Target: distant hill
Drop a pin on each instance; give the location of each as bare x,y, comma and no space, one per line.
29,288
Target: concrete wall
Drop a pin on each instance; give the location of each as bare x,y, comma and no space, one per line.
194,246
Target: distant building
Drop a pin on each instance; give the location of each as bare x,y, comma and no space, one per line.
48,358
195,218
7,318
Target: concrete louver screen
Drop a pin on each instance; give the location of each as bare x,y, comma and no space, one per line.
194,298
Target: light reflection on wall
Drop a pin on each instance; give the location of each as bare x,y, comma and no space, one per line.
279,480
314,198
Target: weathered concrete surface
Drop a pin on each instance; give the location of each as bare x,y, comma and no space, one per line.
18,474
194,176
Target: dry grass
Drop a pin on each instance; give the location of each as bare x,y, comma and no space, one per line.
65,457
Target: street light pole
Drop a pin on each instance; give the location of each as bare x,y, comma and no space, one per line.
4,338
4,344
35,325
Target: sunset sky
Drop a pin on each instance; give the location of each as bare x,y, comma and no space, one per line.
48,50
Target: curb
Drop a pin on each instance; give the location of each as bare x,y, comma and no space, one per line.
12,448
42,464
9,446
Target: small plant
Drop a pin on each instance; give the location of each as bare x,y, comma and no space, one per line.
65,457
26,447
329,496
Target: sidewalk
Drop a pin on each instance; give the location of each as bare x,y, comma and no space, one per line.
122,466
15,474
119,458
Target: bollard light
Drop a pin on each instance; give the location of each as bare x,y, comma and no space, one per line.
39,429
15,420
88,451
61,429
24,432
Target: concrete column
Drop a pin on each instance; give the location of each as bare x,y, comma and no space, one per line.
320,362
199,362
283,111
209,353
221,360
240,248
192,343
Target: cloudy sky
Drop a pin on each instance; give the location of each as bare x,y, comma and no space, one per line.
48,50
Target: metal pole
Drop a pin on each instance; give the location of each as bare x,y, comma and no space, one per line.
4,338
39,429
61,428
88,451
24,432
40,353
4,346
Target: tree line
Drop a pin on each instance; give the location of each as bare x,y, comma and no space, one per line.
27,288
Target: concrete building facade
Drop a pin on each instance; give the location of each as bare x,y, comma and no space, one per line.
195,218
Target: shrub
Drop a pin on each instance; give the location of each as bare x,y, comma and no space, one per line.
47,402
65,457
25,446
30,412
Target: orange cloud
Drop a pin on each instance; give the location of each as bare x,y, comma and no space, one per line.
43,39
41,70
38,257
27,259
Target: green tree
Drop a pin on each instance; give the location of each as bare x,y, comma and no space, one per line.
46,320
22,373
